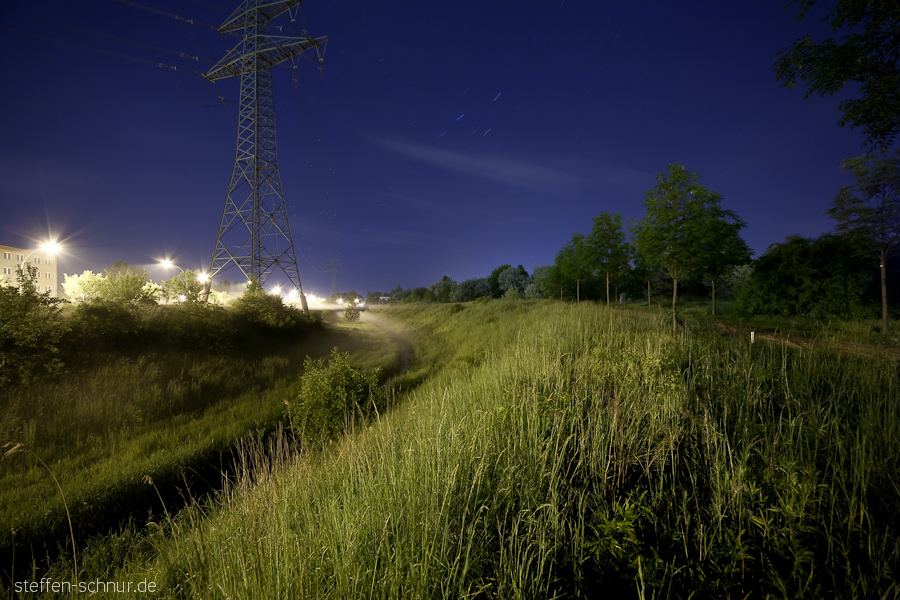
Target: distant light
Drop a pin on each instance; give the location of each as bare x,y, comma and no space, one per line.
202,277
51,247
166,263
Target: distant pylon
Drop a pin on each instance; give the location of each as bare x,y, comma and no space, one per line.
254,233
334,270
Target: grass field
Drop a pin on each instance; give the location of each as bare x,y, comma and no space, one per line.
537,449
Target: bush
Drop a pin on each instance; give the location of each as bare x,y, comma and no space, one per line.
255,308
333,395
104,324
30,331
189,326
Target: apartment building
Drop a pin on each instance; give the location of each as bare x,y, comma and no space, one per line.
43,261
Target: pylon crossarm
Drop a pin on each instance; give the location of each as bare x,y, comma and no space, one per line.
272,49
267,10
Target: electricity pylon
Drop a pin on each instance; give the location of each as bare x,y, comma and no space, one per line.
254,233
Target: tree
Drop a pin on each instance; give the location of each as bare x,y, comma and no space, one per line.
121,284
443,289
730,251
184,287
820,278
84,286
680,230
513,277
31,330
869,211
494,280
607,247
574,263
547,279
866,56
470,289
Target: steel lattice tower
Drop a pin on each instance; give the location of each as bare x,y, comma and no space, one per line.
254,233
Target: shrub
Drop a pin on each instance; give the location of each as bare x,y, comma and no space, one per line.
333,395
104,324
255,308
30,331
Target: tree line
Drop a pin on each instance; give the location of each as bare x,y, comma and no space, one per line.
686,238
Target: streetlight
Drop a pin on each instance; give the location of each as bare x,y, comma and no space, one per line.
50,248
169,264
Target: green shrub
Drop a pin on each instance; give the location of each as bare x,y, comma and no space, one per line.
256,309
351,313
333,395
104,324
30,331
189,326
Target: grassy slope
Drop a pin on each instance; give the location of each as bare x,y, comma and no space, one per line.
548,449
109,429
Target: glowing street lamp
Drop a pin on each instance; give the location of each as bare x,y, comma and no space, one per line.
169,264
50,248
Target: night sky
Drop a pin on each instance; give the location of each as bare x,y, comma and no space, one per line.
444,138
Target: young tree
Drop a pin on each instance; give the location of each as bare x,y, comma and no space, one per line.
869,211
184,287
84,286
121,284
573,262
607,247
680,230
730,251
866,56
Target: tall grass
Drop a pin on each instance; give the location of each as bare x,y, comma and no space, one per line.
156,413
556,450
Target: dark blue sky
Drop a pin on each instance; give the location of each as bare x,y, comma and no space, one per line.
445,137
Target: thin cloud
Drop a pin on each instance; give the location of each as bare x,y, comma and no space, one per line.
519,173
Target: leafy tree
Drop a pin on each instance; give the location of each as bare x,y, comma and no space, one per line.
866,56
869,211
548,279
31,329
513,277
84,286
574,263
121,284
649,275
470,289
443,289
184,287
680,230
819,278
607,247
729,251
494,280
